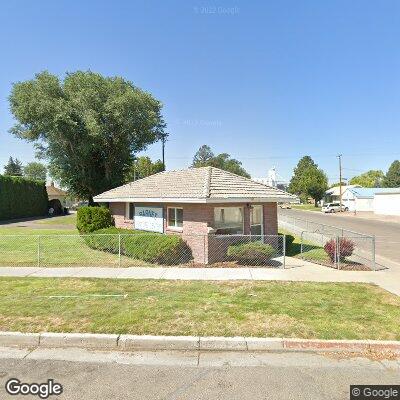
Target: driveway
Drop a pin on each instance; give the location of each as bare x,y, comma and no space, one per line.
387,233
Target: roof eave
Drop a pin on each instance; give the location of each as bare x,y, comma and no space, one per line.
269,199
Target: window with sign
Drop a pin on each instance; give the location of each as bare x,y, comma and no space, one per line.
175,217
228,220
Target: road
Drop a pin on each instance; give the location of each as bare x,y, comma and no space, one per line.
387,233
179,375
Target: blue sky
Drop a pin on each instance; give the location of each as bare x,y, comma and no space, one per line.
265,81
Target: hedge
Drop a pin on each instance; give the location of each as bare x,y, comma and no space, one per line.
154,248
253,253
21,197
90,219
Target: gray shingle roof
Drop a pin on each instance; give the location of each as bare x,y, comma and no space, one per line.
206,184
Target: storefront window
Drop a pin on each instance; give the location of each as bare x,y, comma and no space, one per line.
228,220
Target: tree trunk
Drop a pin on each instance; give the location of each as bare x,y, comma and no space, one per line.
91,202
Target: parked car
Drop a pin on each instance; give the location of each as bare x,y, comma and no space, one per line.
286,206
333,207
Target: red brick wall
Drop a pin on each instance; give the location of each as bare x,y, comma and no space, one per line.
270,213
118,212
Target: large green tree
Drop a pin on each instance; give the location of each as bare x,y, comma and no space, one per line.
205,157
87,126
142,167
369,179
35,170
308,180
13,167
392,178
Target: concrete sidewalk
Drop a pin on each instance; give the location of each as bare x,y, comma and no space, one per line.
297,270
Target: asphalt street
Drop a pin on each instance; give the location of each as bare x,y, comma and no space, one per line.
185,375
387,233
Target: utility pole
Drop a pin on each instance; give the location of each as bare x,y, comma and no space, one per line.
163,152
340,179
163,140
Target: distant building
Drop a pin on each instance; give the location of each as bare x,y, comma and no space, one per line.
387,202
361,199
332,195
54,192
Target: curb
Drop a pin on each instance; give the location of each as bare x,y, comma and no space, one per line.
187,343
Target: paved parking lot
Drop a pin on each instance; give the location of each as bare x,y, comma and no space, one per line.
387,233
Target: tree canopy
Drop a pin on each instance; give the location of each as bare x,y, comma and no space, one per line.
13,167
142,167
369,179
35,170
205,157
392,178
308,180
88,127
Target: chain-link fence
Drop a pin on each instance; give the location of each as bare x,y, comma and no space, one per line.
342,252
249,250
332,246
130,250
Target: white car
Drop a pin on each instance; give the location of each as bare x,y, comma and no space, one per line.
333,207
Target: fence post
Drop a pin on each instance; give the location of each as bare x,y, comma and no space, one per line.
38,252
284,251
338,252
119,250
301,244
373,253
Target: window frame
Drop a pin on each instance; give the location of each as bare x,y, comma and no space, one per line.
174,227
262,218
225,207
128,206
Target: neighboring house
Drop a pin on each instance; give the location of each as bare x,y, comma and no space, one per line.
57,193
194,203
332,195
387,202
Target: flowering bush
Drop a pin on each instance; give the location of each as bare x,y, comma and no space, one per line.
346,248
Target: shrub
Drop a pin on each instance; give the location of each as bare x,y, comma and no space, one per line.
90,219
154,248
253,253
21,197
346,248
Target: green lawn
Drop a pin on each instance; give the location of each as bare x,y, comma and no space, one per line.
279,309
63,220
308,207
311,251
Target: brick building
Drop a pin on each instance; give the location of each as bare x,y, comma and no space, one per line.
196,203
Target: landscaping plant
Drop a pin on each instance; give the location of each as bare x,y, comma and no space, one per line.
346,248
90,219
253,253
151,247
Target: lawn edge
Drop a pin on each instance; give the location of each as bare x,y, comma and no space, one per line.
184,343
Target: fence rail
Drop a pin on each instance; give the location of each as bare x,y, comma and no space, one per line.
129,250
332,246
